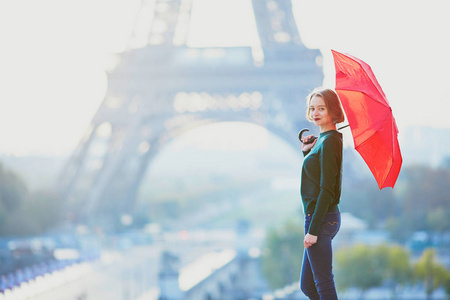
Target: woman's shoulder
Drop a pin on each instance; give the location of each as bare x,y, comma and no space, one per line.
333,137
332,142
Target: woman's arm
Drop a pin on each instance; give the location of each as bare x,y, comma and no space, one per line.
330,167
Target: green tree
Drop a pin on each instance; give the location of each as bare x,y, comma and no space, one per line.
447,285
410,210
438,219
22,212
399,271
13,190
361,195
282,254
394,225
19,222
45,208
365,267
432,185
361,266
430,272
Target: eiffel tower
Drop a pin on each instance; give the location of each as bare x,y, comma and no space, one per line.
165,88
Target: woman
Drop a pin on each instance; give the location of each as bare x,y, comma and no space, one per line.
320,191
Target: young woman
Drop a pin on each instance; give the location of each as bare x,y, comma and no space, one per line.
321,191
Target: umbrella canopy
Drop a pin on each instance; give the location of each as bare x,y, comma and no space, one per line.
370,118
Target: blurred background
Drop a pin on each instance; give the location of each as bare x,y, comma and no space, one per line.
148,148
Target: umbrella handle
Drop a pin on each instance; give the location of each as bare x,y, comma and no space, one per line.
309,141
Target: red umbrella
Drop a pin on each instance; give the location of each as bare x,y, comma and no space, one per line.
370,118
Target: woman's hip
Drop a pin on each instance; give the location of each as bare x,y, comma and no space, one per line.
330,225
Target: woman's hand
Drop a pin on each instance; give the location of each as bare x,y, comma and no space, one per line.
309,240
307,147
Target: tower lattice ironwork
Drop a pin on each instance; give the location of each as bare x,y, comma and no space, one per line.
165,88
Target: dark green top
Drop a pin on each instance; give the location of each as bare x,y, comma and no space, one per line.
322,178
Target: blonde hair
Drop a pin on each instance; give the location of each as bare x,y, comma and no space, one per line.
332,102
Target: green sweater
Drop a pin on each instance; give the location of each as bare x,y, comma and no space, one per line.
322,178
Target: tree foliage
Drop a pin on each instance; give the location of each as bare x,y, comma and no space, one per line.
361,195
366,267
360,266
426,193
399,271
430,272
419,201
282,255
13,190
23,212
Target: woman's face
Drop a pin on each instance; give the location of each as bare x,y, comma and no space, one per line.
319,113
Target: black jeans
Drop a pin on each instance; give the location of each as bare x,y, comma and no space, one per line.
317,277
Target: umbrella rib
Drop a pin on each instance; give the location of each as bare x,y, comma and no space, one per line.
376,130
384,103
358,85
360,145
358,61
364,142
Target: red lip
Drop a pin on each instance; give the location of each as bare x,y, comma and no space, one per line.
316,119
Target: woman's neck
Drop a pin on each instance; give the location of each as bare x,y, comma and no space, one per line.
328,127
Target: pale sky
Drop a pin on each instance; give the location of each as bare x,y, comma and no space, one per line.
54,53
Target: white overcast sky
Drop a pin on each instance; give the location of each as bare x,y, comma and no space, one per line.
53,55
